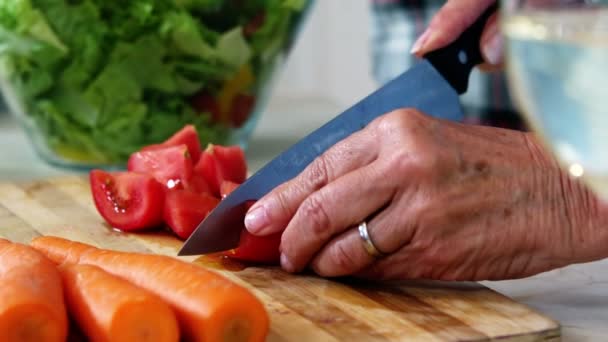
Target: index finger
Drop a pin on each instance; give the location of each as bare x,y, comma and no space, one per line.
450,22
272,213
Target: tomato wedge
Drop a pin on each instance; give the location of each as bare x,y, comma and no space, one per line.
184,210
227,187
126,200
207,169
242,107
171,166
231,163
221,163
252,248
186,136
204,102
257,249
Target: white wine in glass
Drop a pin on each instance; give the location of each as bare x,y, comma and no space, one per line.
557,68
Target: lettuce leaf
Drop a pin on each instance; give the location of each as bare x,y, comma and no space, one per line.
102,78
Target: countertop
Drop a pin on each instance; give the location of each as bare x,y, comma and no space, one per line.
576,296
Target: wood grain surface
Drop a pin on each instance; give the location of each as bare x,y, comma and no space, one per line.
303,307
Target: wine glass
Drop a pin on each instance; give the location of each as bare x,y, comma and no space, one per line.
557,70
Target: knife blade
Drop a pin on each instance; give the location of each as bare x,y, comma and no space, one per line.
432,85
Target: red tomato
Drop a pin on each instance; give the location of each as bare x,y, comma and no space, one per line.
184,210
203,102
207,169
126,200
199,185
242,106
254,24
231,162
171,166
258,249
227,187
221,163
186,136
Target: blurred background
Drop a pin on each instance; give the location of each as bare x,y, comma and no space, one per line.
346,49
328,70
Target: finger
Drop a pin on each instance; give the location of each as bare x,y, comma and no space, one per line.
272,212
341,204
449,23
346,254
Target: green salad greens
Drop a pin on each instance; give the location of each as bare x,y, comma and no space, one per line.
99,79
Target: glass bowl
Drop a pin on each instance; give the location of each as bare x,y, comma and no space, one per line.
92,81
556,56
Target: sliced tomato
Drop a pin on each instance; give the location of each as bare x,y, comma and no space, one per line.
171,166
254,24
184,210
199,185
126,200
207,169
204,102
221,163
227,187
241,109
251,248
186,136
258,249
231,163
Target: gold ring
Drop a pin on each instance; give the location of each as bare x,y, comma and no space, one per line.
367,241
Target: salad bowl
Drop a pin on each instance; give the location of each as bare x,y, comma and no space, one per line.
92,81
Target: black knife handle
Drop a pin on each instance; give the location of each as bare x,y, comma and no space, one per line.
456,61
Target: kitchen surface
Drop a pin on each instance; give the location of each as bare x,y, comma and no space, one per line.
317,83
575,296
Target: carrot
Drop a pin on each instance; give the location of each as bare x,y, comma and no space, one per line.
109,308
31,299
208,306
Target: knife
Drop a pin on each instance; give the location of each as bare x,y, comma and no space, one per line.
432,85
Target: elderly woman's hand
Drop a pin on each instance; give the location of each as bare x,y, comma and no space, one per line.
442,200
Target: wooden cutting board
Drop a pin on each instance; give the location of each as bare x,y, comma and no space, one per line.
304,307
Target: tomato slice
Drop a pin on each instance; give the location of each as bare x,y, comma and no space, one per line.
126,200
186,136
207,169
241,109
199,185
221,163
231,163
184,210
171,166
251,248
204,102
257,249
251,27
227,187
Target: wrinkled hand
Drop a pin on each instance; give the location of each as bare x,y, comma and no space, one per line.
443,200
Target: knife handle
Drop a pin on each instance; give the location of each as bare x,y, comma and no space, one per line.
456,61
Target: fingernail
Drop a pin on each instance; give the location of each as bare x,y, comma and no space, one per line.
492,49
286,264
420,42
256,220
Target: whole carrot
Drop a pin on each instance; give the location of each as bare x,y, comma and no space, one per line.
108,308
31,298
208,306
